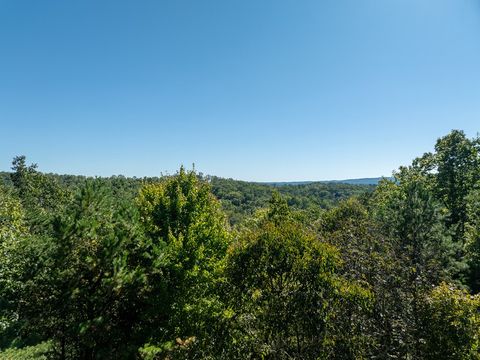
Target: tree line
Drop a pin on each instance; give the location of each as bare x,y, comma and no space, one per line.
239,199
156,269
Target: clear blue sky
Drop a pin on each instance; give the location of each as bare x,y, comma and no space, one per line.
264,90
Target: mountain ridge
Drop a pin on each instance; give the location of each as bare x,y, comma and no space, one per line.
359,181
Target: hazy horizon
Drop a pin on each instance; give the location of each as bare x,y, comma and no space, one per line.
204,174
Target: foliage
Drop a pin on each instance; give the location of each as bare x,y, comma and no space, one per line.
189,239
409,214
73,286
451,324
37,352
472,228
457,162
241,199
12,217
288,300
12,227
198,267
40,195
369,257
453,173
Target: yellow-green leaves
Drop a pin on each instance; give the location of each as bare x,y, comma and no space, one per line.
12,221
451,324
284,286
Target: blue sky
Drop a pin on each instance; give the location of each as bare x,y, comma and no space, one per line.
264,90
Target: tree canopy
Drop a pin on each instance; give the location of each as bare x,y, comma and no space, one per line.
188,266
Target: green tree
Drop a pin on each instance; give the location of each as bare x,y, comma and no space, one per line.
41,195
41,351
12,229
450,324
414,222
78,285
451,173
369,256
287,300
457,161
12,216
411,215
472,228
188,237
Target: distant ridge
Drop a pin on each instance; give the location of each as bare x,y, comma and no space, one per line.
5,178
362,181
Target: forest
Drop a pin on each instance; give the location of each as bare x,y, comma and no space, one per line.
190,266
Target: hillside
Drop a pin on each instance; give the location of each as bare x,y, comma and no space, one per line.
361,181
240,199
93,267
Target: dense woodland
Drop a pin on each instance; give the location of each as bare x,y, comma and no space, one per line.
239,199
188,266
